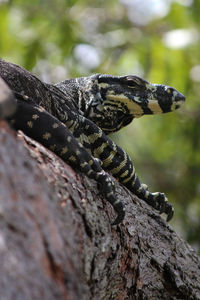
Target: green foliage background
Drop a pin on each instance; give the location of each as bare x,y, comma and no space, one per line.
60,39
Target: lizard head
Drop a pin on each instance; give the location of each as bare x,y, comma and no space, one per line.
116,100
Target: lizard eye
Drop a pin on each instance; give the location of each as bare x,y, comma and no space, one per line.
135,81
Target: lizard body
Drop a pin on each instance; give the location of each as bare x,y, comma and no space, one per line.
76,116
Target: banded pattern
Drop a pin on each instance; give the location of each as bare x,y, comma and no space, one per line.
83,111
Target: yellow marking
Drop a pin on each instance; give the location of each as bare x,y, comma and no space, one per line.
55,125
72,125
62,118
84,164
155,107
78,152
69,138
35,117
72,158
30,124
103,85
124,174
83,138
89,172
100,149
131,176
64,150
90,162
80,145
174,104
108,160
93,137
68,123
144,186
120,166
133,107
139,189
46,136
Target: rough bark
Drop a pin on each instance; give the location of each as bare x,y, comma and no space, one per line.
56,241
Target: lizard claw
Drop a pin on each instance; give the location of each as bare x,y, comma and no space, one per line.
161,204
169,211
120,209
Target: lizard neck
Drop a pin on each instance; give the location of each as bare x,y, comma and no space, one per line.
84,93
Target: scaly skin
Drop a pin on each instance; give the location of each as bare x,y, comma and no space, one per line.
84,110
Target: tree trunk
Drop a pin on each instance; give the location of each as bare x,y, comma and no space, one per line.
56,238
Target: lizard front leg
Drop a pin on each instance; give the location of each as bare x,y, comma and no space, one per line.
37,123
117,161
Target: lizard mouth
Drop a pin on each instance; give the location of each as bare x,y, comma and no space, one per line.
179,104
180,99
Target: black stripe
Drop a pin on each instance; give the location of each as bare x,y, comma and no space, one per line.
121,171
165,105
129,184
97,143
105,154
147,111
86,145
